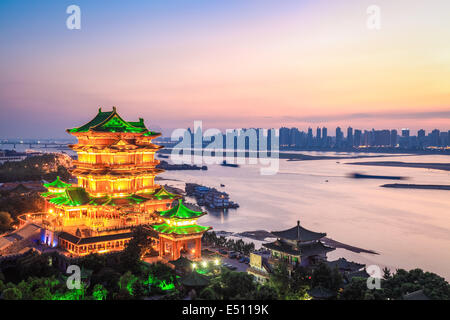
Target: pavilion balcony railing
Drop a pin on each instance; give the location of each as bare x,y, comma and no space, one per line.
117,166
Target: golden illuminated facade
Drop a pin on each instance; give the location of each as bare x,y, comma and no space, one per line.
116,191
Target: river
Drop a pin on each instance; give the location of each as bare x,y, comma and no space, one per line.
408,228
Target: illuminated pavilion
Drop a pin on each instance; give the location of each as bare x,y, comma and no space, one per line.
116,191
298,246
178,230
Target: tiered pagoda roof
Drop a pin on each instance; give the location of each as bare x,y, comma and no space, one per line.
164,194
78,196
57,184
298,233
110,121
72,197
303,249
180,211
180,230
298,241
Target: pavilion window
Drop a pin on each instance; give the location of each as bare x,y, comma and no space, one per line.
92,185
148,182
148,157
121,159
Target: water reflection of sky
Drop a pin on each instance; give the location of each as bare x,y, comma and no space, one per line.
409,228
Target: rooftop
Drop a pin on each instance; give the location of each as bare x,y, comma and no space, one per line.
164,194
298,233
81,241
306,250
180,230
111,121
180,211
78,196
57,184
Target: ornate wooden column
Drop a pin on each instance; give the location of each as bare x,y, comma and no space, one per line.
198,248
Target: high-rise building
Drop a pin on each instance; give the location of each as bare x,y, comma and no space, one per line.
339,137
294,137
325,136
350,136
435,138
382,138
365,138
421,133
394,138
284,137
405,132
443,138
357,138
309,138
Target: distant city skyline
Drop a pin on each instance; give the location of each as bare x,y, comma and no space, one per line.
231,64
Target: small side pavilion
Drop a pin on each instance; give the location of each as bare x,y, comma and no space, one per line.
180,232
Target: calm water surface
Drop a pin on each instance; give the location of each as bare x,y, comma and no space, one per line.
408,228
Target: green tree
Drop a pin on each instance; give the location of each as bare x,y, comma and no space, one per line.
403,282
280,279
127,281
386,273
233,285
301,276
12,294
35,265
264,292
139,245
108,277
99,292
5,221
25,289
325,277
42,293
208,294
93,261
355,290
2,286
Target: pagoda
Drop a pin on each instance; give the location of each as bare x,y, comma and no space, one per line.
298,246
178,230
116,191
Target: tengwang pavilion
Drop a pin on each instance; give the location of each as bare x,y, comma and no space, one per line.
116,191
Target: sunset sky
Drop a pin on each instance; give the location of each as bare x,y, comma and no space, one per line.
234,63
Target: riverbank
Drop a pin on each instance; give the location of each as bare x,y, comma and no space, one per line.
291,156
436,166
265,236
167,166
416,186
